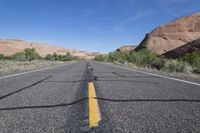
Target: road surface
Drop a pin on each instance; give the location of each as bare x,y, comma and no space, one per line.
56,100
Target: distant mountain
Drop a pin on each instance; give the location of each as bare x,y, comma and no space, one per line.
172,35
193,46
126,48
9,47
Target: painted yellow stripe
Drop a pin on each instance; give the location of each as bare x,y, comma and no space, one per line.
94,111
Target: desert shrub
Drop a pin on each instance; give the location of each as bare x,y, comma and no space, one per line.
116,56
141,58
31,54
158,63
193,59
2,57
19,56
52,57
100,58
49,57
128,56
145,57
66,57
175,66
56,57
27,55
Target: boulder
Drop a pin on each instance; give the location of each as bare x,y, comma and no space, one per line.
126,48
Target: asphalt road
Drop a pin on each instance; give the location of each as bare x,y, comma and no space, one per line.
56,100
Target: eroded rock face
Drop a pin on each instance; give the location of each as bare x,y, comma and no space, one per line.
193,46
172,35
126,48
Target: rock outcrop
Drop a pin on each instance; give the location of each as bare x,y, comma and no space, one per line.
193,46
126,48
172,35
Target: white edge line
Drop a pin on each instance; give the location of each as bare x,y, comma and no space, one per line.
157,75
13,75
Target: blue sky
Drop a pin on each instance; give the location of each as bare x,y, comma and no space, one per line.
92,25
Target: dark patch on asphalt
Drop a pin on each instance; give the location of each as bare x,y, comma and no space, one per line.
119,74
78,114
105,125
122,75
99,98
115,80
105,80
73,81
146,100
46,106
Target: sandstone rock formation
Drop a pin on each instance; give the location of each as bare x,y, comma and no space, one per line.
172,35
126,48
193,46
9,47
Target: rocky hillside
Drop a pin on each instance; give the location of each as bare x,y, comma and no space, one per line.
9,47
172,35
193,46
126,48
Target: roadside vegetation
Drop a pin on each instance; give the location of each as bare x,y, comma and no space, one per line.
30,54
9,66
29,59
189,63
56,57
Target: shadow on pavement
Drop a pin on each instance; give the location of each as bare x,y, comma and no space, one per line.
12,93
45,106
99,80
101,99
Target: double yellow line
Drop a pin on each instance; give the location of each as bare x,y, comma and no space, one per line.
94,111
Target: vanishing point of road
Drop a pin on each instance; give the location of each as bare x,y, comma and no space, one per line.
96,97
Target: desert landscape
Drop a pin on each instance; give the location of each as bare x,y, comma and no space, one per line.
9,47
165,45
100,66
170,49
13,57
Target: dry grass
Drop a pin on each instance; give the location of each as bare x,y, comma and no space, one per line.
7,67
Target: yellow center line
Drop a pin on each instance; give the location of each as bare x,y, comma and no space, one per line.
94,111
